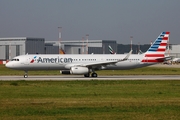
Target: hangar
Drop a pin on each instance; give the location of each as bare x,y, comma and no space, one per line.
11,47
80,47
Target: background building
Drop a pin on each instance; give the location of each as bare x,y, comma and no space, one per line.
93,46
80,47
174,51
11,47
51,48
121,48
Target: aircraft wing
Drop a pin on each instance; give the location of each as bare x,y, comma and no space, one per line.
108,63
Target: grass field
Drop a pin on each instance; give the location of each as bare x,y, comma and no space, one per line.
90,100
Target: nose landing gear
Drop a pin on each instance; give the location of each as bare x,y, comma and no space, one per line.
26,74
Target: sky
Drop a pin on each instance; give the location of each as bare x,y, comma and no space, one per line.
116,20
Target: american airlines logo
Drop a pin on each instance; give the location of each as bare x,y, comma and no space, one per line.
52,60
33,59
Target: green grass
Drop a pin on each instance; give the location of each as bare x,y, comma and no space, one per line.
90,100
139,71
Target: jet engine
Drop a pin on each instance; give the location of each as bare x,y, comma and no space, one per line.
79,70
76,70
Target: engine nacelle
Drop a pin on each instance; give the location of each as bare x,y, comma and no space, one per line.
65,72
79,70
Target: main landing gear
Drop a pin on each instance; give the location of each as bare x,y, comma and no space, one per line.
92,75
25,74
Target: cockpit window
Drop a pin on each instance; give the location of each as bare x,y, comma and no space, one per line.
15,60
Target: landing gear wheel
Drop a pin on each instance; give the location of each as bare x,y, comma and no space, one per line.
86,75
94,75
26,74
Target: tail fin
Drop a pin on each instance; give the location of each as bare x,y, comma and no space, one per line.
156,52
111,50
61,51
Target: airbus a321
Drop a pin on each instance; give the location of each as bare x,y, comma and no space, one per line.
87,64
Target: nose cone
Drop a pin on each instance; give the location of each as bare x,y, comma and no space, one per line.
9,65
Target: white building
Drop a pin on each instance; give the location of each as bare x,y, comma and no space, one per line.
174,51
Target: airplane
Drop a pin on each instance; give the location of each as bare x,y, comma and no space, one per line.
176,60
87,64
62,51
111,50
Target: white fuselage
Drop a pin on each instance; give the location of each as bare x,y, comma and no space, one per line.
65,62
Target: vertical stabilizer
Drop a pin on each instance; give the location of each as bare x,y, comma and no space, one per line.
156,52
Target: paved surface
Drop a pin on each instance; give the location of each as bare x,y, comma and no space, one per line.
165,65
80,77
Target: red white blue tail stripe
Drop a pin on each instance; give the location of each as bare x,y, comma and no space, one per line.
156,52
